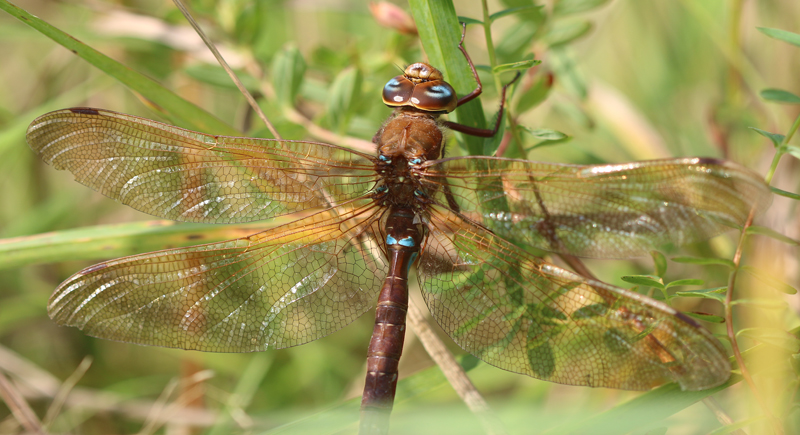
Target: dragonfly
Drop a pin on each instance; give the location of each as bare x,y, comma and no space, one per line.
466,224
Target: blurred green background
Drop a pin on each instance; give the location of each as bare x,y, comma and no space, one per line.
625,79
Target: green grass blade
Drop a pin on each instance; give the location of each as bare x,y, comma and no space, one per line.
176,108
109,241
440,32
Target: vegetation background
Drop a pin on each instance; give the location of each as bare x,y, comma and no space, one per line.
625,80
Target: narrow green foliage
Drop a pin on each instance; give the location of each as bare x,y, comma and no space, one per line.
645,280
537,93
772,336
780,96
563,33
764,231
516,66
566,7
766,304
344,94
784,193
216,76
288,69
659,263
705,317
177,109
514,11
781,35
769,280
716,293
684,282
704,261
776,138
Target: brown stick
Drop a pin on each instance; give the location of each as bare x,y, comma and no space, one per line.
19,407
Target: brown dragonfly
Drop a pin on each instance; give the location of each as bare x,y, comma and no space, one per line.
463,222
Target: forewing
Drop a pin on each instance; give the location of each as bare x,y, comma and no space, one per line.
278,288
521,314
183,175
604,211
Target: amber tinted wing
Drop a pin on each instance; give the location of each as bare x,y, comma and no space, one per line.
183,175
521,314
278,288
608,211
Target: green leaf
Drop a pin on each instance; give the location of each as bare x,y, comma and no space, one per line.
522,65
564,33
780,96
439,33
793,150
711,318
108,241
782,35
516,41
548,137
767,304
565,7
217,76
776,138
468,20
654,405
546,134
683,282
735,427
774,336
288,69
512,11
764,231
344,94
645,280
784,193
769,280
716,293
178,110
704,261
535,94
660,263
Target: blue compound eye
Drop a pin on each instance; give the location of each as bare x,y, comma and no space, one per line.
414,161
419,193
384,159
381,189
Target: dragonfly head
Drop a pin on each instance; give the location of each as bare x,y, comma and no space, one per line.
423,87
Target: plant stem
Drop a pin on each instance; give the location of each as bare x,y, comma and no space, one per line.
782,150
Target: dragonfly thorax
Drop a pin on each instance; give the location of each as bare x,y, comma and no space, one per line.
410,134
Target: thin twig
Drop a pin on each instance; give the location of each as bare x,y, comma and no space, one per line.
64,390
313,130
737,258
453,371
39,384
723,417
227,68
19,407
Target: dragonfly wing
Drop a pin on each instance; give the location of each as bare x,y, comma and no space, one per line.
602,211
184,175
522,314
278,288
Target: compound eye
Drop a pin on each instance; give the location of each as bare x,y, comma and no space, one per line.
397,91
414,161
434,96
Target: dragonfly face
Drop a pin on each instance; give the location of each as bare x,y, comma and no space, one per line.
374,217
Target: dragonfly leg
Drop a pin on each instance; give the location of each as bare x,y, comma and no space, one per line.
484,132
